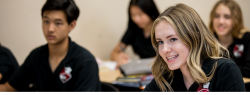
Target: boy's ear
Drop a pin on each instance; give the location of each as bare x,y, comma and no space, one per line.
72,25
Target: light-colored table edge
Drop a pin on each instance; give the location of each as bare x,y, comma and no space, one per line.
246,80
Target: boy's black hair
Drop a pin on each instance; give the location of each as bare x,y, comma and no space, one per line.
68,6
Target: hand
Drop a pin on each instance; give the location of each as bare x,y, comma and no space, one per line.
122,59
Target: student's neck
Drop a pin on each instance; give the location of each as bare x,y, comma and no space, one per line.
59,50
57,53
226,40
147,30
188,80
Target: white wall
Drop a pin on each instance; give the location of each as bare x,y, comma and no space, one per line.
100,26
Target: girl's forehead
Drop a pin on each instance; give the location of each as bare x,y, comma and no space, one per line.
164,29
221,8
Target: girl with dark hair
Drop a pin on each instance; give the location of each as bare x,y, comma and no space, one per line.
226,22
141,14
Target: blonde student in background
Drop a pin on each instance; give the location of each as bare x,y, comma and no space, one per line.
188,56
141,15
226,23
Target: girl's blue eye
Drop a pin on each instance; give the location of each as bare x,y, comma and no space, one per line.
173,39
160,42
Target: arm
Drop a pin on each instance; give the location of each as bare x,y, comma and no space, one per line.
3,70
5,67
6,87
8,64
118,52
119,55
23,76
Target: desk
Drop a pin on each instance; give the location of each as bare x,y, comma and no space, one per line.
107,75
246,80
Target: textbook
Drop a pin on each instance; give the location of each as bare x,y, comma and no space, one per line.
135,78
131,78
127,84
137,81
138,84
128,79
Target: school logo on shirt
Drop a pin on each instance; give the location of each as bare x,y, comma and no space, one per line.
204,87
65,74
238,50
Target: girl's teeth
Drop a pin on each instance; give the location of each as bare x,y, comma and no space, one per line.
172,57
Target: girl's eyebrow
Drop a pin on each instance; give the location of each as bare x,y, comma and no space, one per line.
170,36
158,38
166,37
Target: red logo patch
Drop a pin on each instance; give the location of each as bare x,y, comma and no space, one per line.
65,74
238,50
203,88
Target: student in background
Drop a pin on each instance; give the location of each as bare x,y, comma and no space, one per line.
226,22
189,58
141,15
8,64
61,64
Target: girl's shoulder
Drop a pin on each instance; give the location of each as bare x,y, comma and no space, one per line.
219,61
225,60
225,65
246,37
227,76
243,32
222,64
246,34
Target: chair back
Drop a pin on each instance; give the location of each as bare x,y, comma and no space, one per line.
107,87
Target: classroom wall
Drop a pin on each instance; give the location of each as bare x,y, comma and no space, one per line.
99,28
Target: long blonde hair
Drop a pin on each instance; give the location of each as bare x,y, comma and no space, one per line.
193,32
238,26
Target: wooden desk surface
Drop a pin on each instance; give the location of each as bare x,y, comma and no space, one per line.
246,80
107,75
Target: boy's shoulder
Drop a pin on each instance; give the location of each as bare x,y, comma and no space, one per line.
38,50
79,51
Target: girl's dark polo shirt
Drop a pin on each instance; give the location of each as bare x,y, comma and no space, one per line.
78,71
141,45
243,61
8,64
227,77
